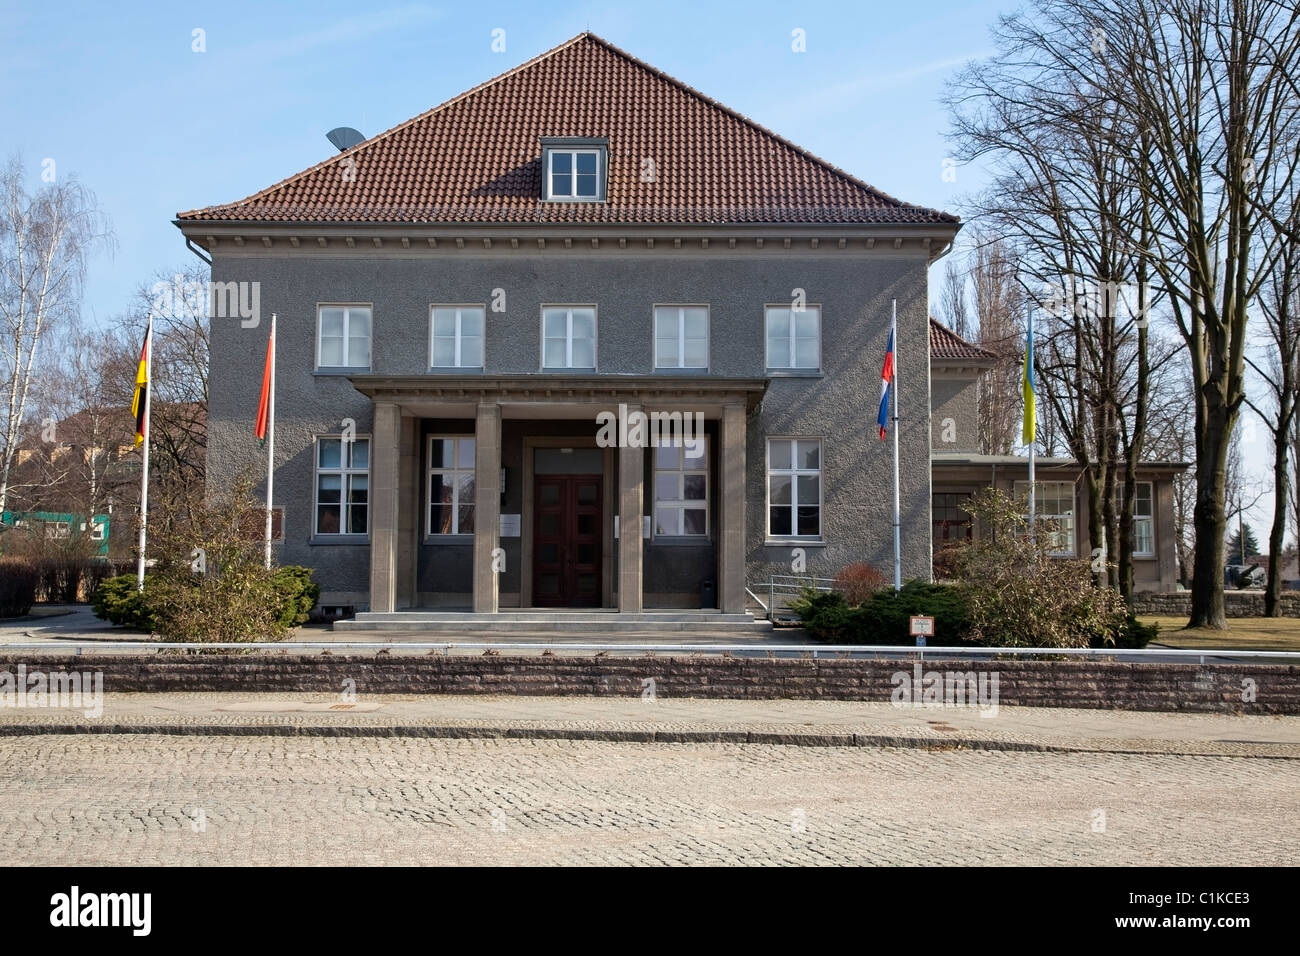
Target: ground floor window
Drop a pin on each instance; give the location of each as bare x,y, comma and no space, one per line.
682,489
794,488
342,485
451,485
1054,502
1144,539
952,522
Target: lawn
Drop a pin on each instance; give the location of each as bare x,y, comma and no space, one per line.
1243,634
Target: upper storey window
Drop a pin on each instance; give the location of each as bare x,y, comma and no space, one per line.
573,170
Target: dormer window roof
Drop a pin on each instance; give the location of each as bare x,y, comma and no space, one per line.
574,169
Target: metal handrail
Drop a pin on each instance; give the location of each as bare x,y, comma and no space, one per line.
788,582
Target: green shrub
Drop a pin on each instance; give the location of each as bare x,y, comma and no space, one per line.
19,579
885,618
1132,636
117,601
296,594
1019,595
824,614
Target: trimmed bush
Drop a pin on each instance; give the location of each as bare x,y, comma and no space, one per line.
296,594
19,579
884,619
823,614
117,601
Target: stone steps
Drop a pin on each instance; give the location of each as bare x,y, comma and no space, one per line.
596,621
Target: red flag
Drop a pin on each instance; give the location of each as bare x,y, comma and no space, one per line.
264,406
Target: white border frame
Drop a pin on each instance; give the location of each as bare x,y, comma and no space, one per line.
317,535
768,536
568,329
681,337
457,306
345,306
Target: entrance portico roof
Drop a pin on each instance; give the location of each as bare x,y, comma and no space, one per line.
558,396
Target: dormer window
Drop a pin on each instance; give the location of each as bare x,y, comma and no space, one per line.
573,170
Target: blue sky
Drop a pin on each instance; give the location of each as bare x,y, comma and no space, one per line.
120,98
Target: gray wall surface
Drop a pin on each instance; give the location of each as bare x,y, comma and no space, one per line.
837,404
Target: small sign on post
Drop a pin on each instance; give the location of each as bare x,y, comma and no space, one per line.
922,627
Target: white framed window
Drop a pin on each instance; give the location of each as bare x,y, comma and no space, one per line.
574,174
794,337
681,336
342,503
343,336
794,488
1144,538
456,336
451,485
682,489
1054,501
569,336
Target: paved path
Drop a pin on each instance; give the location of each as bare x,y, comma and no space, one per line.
97,799
814,723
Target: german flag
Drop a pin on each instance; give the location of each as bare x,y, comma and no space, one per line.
140,401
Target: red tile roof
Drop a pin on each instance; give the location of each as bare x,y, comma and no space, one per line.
947,344
477,159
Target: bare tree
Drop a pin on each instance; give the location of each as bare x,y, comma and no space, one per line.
1279,305
1058,184
45,239
998,307
953,300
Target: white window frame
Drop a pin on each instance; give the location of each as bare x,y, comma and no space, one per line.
795,473
457,473
568,338
789,365
1149,520
1022,488
345,471
677,312
681,503
459,308
347,308
573,152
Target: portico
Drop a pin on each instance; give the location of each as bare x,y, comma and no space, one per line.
574,523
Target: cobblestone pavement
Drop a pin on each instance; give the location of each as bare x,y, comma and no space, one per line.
95,799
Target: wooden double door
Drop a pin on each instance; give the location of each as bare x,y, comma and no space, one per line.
567,540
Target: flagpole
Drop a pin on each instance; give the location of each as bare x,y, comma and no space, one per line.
1029,359
144,469
898,539
270,444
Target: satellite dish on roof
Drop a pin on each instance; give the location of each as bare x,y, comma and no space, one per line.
344,137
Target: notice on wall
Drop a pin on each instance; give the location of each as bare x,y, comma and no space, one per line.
510,526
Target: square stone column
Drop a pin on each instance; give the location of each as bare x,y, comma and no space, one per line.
731,532
409,511
385,456
631,495
487,506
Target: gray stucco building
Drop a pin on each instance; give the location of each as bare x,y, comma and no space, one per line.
474,306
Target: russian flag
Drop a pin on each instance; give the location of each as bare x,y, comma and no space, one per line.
886,385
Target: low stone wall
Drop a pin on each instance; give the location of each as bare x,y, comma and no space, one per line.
1221,688
1235,603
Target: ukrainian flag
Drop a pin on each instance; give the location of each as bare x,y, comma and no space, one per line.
1029,431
